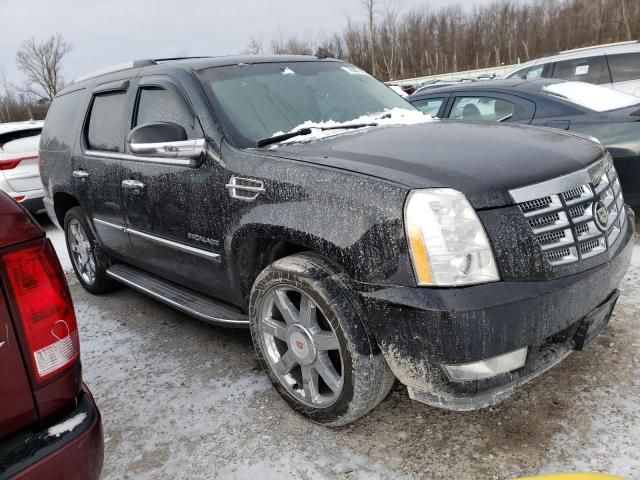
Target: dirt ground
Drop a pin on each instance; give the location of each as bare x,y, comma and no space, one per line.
184,400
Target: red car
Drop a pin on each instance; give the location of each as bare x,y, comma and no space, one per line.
50,426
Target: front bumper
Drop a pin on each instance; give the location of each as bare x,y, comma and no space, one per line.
72,449
421,329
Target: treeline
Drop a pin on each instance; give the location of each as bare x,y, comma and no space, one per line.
427,42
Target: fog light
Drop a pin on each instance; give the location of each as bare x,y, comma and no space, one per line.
487,368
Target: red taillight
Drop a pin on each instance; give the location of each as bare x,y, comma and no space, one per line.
44,304
13,162
19,198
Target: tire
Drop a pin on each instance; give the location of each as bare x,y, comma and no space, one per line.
89,262
322,329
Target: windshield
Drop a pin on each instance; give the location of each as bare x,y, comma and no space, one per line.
593,97
257,101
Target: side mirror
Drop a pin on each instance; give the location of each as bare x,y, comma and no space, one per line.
164,140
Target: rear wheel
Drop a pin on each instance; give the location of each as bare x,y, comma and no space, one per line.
89,262
308,333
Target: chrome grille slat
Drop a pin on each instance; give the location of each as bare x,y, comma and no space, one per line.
564,223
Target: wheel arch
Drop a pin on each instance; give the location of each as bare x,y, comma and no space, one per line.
62,203
252,248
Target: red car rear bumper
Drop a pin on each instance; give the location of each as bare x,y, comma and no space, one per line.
71,449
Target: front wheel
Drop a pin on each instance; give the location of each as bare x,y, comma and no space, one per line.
309,336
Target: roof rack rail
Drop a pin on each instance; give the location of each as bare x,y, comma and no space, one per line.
630,42
173,59
115,68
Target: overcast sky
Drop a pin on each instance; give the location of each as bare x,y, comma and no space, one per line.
106,32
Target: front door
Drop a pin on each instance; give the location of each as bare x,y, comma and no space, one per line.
97,165
172,209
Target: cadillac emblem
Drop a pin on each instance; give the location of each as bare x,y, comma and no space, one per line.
601,215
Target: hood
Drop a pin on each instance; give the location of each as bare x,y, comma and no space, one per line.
482,160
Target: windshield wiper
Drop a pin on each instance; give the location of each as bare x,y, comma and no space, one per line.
307,131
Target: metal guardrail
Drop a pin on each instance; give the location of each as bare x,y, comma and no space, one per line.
497,71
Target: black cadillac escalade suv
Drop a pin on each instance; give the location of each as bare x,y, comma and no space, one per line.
360,240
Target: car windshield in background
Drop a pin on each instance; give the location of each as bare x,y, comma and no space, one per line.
593,97
257,101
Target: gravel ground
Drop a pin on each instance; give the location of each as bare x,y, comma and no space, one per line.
185,400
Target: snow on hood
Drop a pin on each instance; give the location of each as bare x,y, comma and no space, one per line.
394,116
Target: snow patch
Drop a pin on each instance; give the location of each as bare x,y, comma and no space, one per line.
354,70
635,256
67,425
394,116
594,97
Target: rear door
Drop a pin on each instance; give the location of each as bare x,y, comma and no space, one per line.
97,164
173,210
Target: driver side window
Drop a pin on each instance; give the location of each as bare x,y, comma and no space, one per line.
157,104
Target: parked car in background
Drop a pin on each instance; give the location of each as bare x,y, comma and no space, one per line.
19,172
358,239
398,89
614,65
611,117
50,427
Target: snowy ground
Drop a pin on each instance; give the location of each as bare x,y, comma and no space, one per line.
184,400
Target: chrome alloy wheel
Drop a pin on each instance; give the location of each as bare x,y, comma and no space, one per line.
301,347
82,252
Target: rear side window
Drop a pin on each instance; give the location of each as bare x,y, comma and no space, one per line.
529,73
484,109
106,122
60,126
534,72
22,145
590,70
625,66
11,141
160,105
429,106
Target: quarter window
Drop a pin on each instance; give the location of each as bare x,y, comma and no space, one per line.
160,105
106,123
625,66
429,106
590,70
485,109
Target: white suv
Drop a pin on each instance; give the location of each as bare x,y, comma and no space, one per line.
19,170
616,66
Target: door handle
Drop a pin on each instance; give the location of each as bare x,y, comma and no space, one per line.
132,184
80,174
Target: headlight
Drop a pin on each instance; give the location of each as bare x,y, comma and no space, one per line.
448,243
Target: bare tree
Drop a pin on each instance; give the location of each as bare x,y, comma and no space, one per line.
41,62
254,47
370,6
625,18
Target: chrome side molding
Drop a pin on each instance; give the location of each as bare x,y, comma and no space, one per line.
163,241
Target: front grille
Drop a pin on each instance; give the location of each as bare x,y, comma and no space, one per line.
565,224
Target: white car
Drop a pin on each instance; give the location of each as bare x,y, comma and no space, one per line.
19,170
615,65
